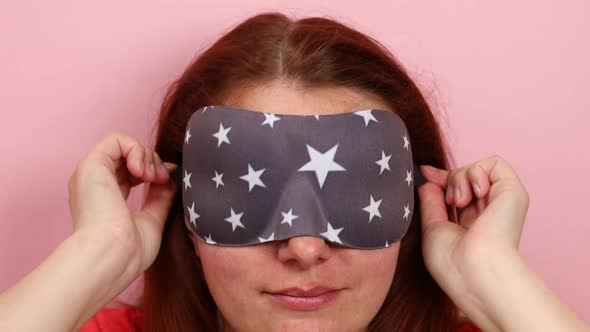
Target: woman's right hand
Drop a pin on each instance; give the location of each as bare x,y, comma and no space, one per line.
98,191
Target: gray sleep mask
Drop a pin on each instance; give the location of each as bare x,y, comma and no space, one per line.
249,177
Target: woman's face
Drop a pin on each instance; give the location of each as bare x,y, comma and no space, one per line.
240,278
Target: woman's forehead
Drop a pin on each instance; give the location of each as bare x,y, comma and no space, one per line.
281,98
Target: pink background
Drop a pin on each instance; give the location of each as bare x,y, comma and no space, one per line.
506,77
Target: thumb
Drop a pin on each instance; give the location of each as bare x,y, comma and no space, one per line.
152,217
432,205
159,201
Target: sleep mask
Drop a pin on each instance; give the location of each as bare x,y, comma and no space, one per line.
249,177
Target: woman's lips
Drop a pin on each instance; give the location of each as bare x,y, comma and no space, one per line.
305,303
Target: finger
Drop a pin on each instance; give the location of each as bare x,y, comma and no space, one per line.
435,175
506,189
157,172
161,171
127,180
150,220
136,162
467,183
98,170
150,171
478,179
152,217
459,183
506,203
469,214
170,167
441,178
159,200
432,205
115,147
501,176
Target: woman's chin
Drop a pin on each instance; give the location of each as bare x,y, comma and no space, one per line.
310,324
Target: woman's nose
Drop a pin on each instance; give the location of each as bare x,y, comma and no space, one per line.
305,251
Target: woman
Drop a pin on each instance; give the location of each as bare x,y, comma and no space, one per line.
444,265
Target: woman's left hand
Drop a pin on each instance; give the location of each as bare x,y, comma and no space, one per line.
491,216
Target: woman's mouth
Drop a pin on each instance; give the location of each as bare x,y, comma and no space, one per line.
297,299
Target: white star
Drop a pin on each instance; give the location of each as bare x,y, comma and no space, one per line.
367,115
332,234
321,164
373,208
384,162
406,142
288,217
270,238
204,109
222,135
408,177
253,178
317,117
406,211
234,219
187,136
193,214
386,244
270,119
209,240
187,180
217,179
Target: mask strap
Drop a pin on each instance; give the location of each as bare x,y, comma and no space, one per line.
176,175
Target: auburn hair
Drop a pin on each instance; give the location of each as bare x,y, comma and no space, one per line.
313,52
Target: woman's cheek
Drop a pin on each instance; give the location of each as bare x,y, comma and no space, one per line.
378,274
228,270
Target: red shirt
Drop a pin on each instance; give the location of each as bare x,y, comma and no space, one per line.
128,319
118,319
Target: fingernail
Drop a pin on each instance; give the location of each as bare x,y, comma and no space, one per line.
158,164
141,165
427,168
457,194
450,195
163,169
424,167
476,189
169,166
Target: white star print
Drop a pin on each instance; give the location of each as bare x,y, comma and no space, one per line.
204,109
367,116
253,178
193,214
408,177
288,217
373,208
316,116
234,219
386,244
406,211
187,136
384,162
270,238
209,240
270,119
332,234
222,135
406,142
187,180
321,163
217,179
